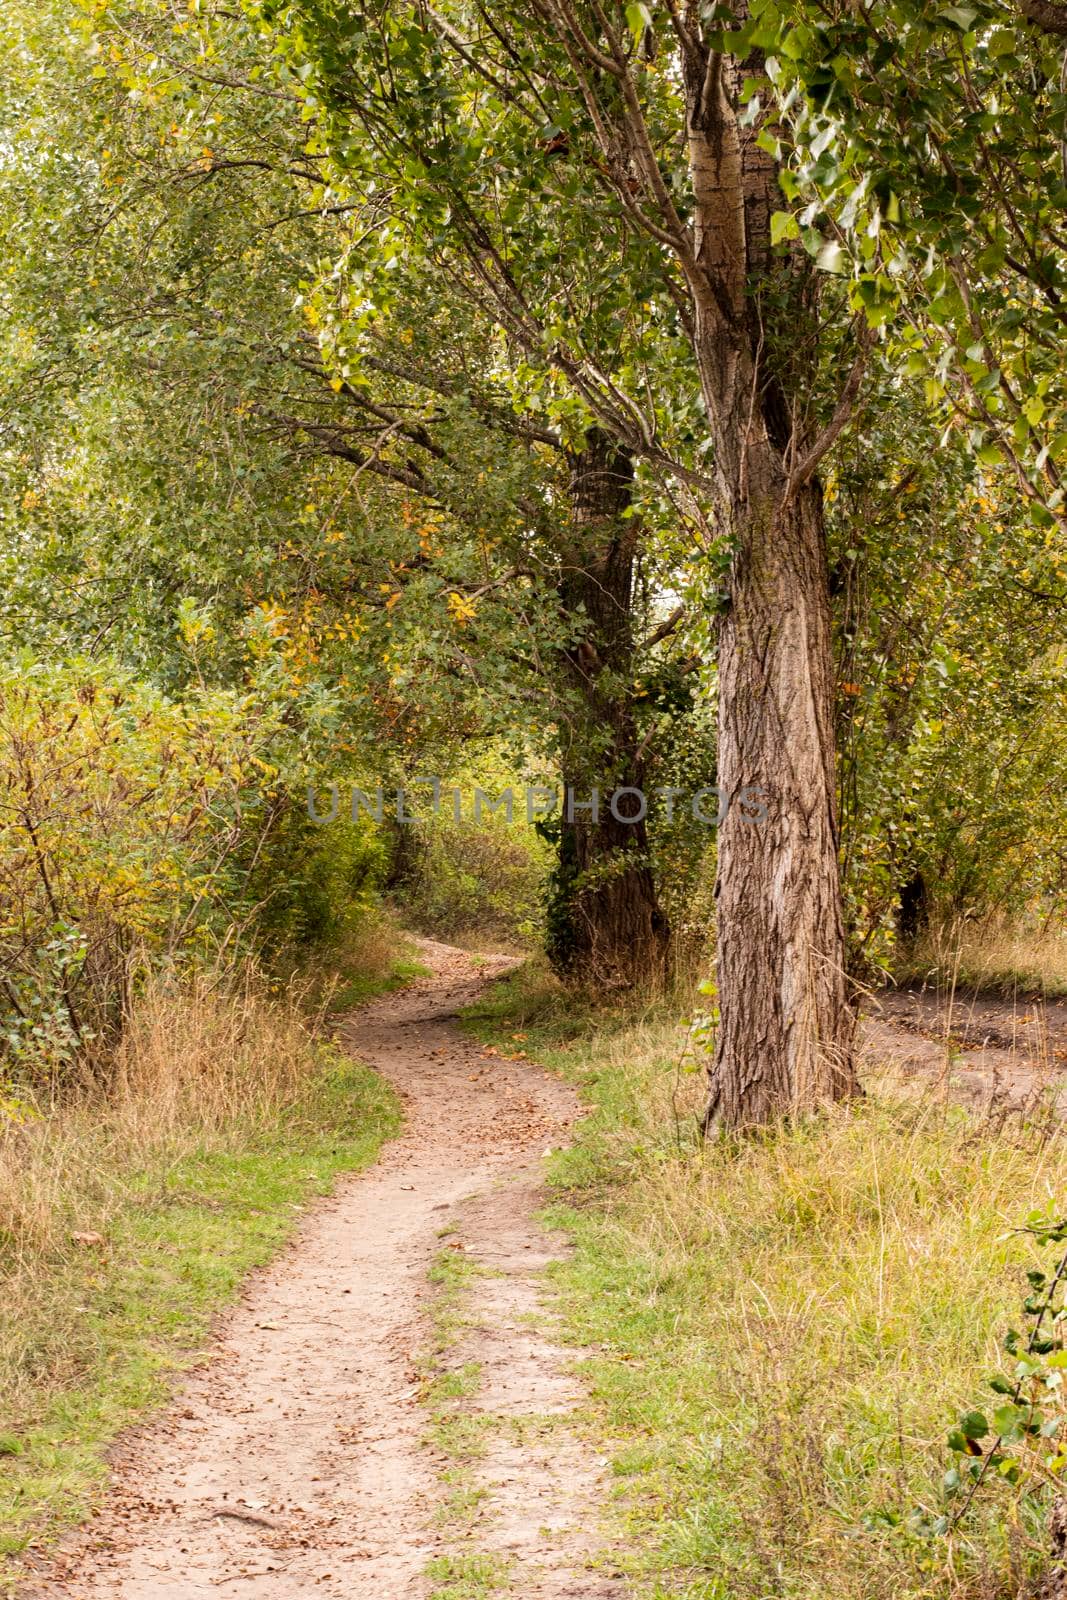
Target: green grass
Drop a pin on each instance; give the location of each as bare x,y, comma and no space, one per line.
463,1500
454,1431
356,988
783,1330
117,1322
457,1433
451,1274
467,1577
460,1383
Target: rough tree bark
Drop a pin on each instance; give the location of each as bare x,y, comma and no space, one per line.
786,1032
605,921
785,1036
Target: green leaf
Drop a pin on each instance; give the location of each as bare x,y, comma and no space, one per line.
784,225
974,1425
1010,1421
1001,42
831,257
638,19
962,16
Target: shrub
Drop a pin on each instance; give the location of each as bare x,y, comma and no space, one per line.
465,879
125,827
317,885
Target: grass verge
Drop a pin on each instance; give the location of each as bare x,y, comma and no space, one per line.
456,1433
995,956
130,1215
783,1330
376,959
466,1577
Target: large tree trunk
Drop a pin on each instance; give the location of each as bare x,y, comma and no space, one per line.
605,922
784,1043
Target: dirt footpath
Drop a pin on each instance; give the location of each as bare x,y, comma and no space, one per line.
295,1462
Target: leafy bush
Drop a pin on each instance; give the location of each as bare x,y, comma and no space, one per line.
465,879
317,884
1022,1442
126,823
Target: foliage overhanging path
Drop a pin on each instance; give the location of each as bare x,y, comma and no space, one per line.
297,1460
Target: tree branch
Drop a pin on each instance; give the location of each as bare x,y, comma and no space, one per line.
665,628
805,470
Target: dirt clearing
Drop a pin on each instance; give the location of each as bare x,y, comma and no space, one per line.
991,1054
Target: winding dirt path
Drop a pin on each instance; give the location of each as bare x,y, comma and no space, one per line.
295,1462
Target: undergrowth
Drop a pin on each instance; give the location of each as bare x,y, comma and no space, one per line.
782,1331
373,958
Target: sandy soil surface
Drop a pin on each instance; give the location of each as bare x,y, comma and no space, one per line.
989,1053
295,1462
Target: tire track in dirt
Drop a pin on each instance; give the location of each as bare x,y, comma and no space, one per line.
293,1462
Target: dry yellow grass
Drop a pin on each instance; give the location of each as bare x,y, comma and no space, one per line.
996,953
214,1056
